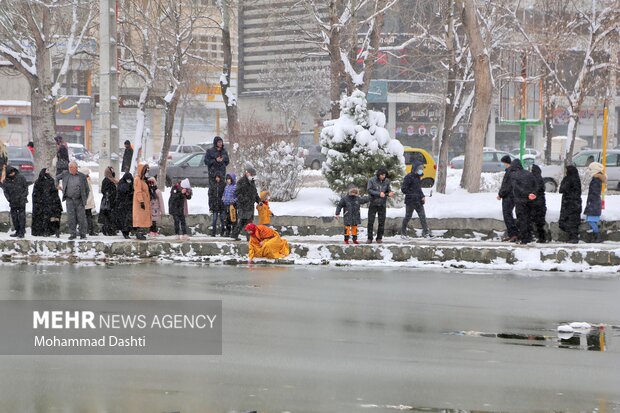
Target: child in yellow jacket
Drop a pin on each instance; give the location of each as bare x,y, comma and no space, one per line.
264,212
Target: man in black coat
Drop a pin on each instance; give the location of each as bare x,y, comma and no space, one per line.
127,157
379,190
216,204
247,196
523,193
414,198
216,159
508,204
15,190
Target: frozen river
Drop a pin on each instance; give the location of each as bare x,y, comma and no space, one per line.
335,340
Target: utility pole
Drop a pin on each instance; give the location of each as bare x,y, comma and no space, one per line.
108,89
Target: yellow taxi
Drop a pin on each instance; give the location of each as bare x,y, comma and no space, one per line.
430,167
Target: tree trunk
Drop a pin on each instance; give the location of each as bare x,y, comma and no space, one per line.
482,99
549,109
140,118
171,110
232,113
336,67
373,50
449,108
43,118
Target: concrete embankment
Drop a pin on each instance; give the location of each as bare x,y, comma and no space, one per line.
463,228
418,253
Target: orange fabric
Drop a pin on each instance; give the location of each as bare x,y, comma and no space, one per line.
264,213
350,230
273,246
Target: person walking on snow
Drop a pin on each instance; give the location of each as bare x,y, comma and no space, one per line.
350,204
594,203
264,212
230,203
508,204
247,196
177,207
157,206
570,211
539,211
141,209
523,188
216,204
15,190
414,198
216,159
379,190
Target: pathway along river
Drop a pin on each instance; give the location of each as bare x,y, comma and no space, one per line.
335,340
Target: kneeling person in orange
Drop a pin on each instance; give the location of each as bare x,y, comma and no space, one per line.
265,243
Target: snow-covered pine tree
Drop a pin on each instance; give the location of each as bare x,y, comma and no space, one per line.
357,144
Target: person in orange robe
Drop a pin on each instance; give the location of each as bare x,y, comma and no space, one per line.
265,243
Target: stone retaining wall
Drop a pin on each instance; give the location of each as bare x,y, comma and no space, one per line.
485,229
453,254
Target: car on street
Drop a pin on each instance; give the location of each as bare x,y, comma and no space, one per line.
77,151
430,166
190,166
528,151
553,174
180,151
21,159
315,158
491,161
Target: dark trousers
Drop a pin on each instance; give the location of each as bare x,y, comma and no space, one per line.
228,224
76,215
508,206
241,223
372,211
153,226
90,222
18,217
524,223
180,227
538,221
419,209
218,216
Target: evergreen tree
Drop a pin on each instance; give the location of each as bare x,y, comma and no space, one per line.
357,144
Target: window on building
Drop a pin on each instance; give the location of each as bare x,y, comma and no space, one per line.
15,121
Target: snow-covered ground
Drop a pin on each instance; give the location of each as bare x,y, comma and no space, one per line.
319,202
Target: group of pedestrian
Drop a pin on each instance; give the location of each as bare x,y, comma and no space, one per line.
523,193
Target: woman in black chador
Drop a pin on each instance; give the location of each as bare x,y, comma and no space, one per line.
46,208
124,204
570,211
108,202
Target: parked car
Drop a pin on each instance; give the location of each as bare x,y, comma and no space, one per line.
315,158
190,166
430,166
528,151
179,151
79,152
491,161
552,174
21,159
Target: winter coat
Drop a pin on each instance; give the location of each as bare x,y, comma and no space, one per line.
90,201
157,203
376,186
216,194
570,188
108,188
4,156
141,216
522,181
540,203
594,203
62,158
45,204
124,203
177,203
127,157
264,212
230,196
273,246
84,187
216,167
247,196
351,206
412,187
15,188
505,190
